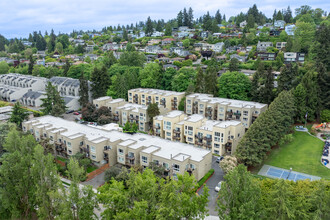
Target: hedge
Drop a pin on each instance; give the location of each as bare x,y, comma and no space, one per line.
203,180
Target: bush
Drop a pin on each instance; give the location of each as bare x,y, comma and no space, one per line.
203,180
110,173
286,139
228,163
325,115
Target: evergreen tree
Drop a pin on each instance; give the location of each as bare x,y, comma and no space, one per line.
149,27
100,82
287,78
53,103
250,21
211,79
83,91
159,26
168,29
218,17
190,18
266,92
180,19
200,86
31,64
288,15
18,115
185,17
300,103
233,65
152,111
66,68
279,16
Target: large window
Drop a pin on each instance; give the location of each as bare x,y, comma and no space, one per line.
176,167
165,165
120,151
93,150
69,144
144,159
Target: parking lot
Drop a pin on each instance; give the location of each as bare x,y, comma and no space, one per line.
211,184
71,116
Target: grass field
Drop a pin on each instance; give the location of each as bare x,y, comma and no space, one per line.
303,155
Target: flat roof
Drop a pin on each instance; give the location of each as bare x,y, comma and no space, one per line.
230,102
167,149
173,114
195,118
156,91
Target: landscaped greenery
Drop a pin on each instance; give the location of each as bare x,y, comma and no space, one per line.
203,180
303,154
91,169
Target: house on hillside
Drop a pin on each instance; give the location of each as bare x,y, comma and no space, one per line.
152,49
290,57
280,45
262,46
180,51
243,24
289,29
279,24
218,47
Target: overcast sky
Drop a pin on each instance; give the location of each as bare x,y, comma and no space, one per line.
18,18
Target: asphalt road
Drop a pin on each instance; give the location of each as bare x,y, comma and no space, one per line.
211,183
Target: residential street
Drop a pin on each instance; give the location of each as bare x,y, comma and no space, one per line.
211,183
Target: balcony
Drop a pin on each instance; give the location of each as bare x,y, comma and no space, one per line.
207,138
176,138
84,149
199,137
157,131
130,160
199,143
116,118
229,113
237,113
130,157
175,131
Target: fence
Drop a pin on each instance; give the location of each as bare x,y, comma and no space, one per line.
94,173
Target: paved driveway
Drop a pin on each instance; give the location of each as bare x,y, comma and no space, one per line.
211,183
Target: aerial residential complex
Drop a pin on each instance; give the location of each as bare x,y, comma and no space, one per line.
108,145
221,137
30,90
221,109
167,99
123,112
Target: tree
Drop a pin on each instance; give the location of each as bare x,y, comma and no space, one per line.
218,17
288,15
66,67
168,29
31,63
240,196
325,116
233,65
100,82
211,79
59,47
288,77
200,81
234,85
18,115
262,135
53,103
228,164
150,75
180,19
152,111
305,33
87,112
147,196
184,78
190,18
167,78
132,59
4,67
266,92
186,43
149,27
109,59
83,91
300,102
250,21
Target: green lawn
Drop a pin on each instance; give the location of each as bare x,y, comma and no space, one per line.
303,155
91,169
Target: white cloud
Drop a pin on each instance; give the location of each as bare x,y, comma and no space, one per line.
18,18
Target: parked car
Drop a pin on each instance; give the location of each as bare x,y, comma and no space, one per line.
218,186
69,112
76,113
219,159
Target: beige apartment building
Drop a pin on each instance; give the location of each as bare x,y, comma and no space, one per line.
123,112
221,109
166,99
108,145
221,137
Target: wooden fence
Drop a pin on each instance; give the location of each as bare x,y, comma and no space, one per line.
94,173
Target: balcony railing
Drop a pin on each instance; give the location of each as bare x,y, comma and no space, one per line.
130,157
176,131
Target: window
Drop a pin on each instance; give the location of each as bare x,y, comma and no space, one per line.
168,133
144,159
192,166
165,165
70,152
130,94
157,98
216,151
51,137
24,128
156,162
120,159
93,150
45,135
190,139
81,143
217,145
217,139
60,140
245,113
130,154
167,125
69,144
93,157
201,106
189,101
176,167
221,109
107,147
120,151
143,96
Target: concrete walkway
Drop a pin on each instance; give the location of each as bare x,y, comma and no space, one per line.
96,181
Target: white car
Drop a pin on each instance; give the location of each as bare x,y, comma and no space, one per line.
218,187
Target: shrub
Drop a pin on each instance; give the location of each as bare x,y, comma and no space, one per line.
203,180
286,139
228,163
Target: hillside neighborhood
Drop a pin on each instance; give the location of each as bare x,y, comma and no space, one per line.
192,118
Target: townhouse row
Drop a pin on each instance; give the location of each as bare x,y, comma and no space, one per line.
220,137
212,108
221,109
108,145
30,90
123,112
164,98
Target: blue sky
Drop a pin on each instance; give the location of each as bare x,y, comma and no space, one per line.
18,18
